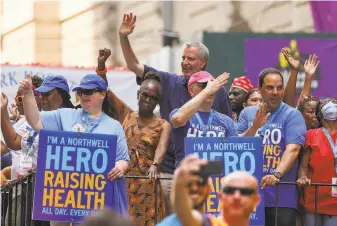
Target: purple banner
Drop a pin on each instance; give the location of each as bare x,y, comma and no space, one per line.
71,176
263,53
324,14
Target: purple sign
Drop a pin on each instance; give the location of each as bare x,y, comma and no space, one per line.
261,53
71,176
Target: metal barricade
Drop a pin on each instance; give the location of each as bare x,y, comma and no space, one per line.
17,196
9,193
316,185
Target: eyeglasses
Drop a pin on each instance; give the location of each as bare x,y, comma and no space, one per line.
229,190
144,96
19,99
88,92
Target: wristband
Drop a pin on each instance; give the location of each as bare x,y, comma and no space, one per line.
155,164
278,175
101,72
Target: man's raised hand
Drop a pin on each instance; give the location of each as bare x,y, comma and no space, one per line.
214,85
127,25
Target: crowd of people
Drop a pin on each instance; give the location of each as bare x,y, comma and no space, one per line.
299,140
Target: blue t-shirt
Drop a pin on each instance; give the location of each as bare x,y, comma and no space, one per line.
65,119
171,220
175,95
220,126
286,126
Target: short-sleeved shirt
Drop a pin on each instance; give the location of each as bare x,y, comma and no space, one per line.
175,95
220,126
286,126
65,119
321,170
207,220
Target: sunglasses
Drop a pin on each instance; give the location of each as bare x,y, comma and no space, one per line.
88,92
228,190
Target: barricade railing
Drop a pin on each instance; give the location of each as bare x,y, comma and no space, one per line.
9,192
316,185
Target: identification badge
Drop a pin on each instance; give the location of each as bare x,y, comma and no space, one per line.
78,127
26,163
334,188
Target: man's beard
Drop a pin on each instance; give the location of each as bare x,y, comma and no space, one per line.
197,206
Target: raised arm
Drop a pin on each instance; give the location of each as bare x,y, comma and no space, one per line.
184,114
117,108
260,119
310,67
290,90
161,149
183,176
12,139
125,29
31,110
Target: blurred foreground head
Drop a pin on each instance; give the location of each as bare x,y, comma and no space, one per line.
107,217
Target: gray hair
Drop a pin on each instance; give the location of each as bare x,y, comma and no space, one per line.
203,50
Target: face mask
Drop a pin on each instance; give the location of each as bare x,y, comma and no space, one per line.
329,111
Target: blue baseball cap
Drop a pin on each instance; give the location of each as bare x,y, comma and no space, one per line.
51,82
92,81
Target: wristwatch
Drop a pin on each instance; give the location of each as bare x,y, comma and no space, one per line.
278,175
155,164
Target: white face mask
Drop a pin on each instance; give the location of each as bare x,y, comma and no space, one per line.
329,111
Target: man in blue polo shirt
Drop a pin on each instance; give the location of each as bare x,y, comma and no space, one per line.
175,93
283,136
196,118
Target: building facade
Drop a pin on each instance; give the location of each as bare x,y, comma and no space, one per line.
71,32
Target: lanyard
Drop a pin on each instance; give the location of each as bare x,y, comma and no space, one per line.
333,146
201,123
30,141
85,121
271,118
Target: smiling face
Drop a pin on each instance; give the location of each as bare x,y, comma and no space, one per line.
272,91
191,62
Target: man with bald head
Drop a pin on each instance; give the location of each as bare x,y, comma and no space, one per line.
239,196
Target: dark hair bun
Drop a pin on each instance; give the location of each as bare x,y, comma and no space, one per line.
152,75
